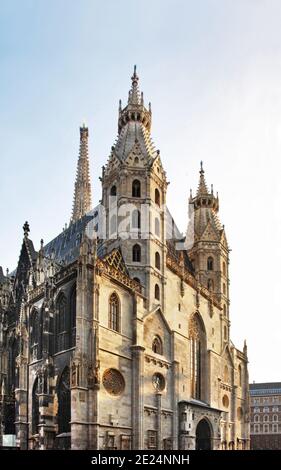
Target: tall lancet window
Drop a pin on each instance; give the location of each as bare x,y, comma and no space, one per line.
197,339
35,407
34,335
114,312
136,188
60,325
72,332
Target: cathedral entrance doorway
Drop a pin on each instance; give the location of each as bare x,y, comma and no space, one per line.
203,435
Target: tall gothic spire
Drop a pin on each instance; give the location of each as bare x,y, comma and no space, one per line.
82,193
204,198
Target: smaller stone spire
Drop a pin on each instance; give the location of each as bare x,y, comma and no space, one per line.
204,198
134,94
202,188
135,109
82,193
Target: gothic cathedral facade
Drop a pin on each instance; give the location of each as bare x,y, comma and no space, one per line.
116,334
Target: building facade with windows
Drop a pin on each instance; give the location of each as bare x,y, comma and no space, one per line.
116,334
265,402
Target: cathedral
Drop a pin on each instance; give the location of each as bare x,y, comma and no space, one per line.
116,334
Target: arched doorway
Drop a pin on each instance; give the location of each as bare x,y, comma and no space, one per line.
203,435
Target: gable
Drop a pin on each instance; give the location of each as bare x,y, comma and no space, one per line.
223,239
155,324
226,354
158,167
116,260
210,233
135,157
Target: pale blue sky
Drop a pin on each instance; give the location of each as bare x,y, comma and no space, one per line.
212,70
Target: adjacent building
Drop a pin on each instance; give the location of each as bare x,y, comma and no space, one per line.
265,400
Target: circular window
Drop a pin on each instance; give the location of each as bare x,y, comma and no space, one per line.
158,382
113,382
239,413
225,401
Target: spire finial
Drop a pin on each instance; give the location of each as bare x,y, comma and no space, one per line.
134,97
202,188
135,73
26,229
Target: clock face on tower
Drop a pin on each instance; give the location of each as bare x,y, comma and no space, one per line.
158,382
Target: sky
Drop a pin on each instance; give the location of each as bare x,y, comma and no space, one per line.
212,71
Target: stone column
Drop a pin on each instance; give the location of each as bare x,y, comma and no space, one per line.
21,418
82,367
175,398
234,414
137,397
159,420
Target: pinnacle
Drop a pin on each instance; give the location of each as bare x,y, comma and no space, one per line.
134,94
82,192
202,187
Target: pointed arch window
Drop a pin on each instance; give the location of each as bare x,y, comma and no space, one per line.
136,253
136,219
157,292
224,268
114,312
34,334
225,333
72,332
210,264
64,405
157,260
197,337
136,188
157,227
113,190
12,371
157,345
35,407
157,197
60,324
239,375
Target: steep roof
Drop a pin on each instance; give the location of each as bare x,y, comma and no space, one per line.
65,247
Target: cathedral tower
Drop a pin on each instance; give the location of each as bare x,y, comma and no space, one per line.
210,253
134,196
